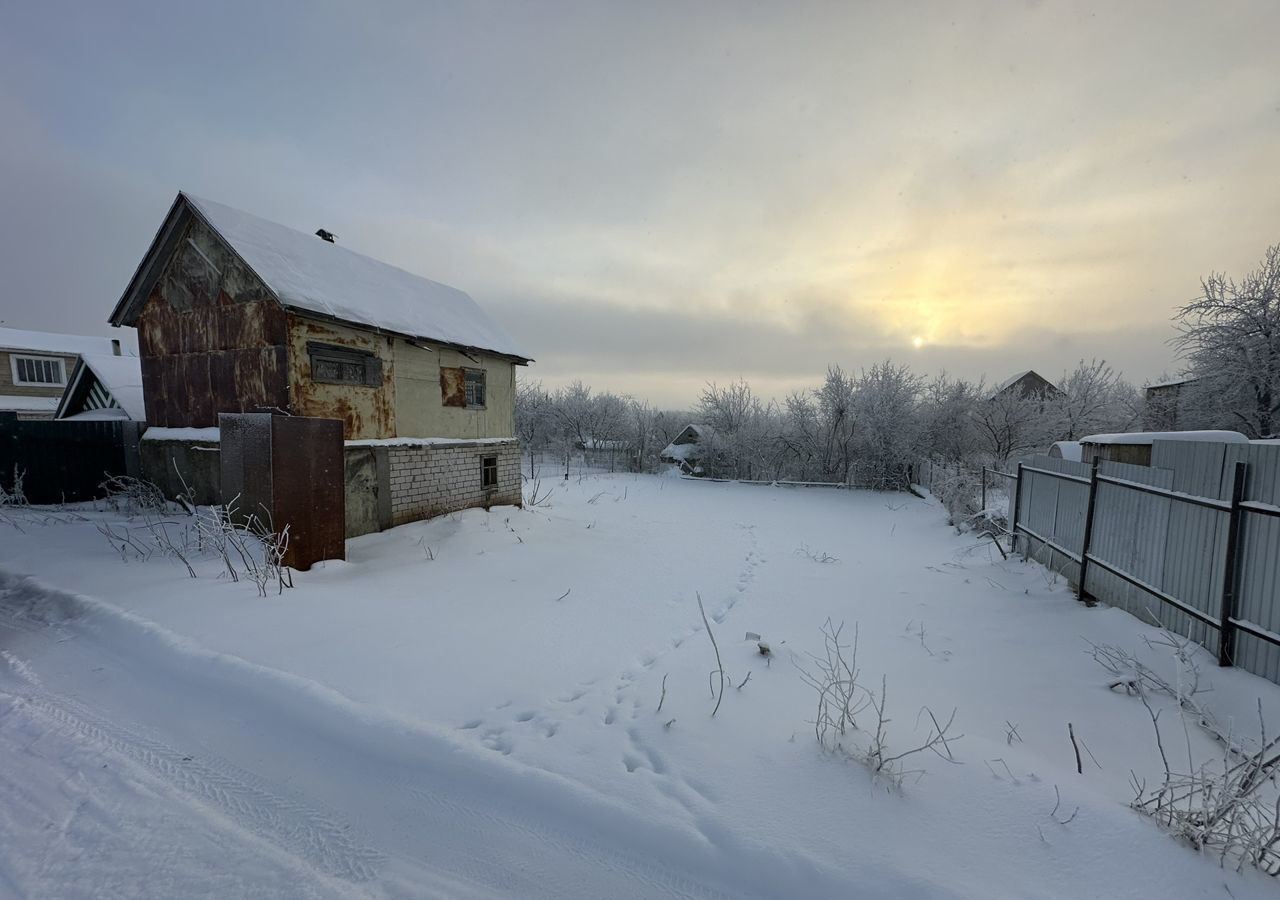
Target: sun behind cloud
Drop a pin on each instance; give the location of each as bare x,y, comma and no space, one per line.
917,342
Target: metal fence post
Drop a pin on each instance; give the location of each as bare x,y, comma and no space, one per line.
1017,504
1227,630
1088,528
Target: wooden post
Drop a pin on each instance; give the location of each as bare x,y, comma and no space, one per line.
984,489
1226,630
1088,529
1017,504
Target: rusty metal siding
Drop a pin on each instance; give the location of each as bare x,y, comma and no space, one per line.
211,336
366,411
453,386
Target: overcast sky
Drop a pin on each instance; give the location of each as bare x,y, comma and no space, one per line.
650,196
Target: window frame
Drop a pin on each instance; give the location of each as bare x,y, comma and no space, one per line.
19,381
370,363
467,373
488,473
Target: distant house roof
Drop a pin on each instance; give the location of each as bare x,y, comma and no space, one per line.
104,387
312,275
52,342
1035,384
1172,382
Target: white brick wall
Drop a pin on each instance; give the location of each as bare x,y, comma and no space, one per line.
430,480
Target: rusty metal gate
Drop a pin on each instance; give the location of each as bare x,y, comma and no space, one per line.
288,472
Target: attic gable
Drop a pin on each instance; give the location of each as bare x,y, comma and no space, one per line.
312,276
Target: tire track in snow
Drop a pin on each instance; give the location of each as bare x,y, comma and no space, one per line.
320,839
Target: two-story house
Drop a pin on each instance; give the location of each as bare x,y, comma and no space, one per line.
238,314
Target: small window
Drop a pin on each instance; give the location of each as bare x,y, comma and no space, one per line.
39,370
475,388
488,471
332,364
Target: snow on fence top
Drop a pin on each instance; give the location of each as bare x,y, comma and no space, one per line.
51,342
28,404
309,274
1137,438
206,435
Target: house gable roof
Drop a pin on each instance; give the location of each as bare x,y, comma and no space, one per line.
119,376
310,275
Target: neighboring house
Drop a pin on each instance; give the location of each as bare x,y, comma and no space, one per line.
238,314
104,388
687,448
35,367
1164,402
1024,385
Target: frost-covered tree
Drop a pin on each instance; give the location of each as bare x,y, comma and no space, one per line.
886,440
948,432
1008,424
534,420
1230,338
1092,399
744,432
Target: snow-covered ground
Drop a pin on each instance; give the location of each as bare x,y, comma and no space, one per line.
467,707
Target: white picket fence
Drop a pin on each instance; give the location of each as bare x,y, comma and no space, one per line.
1191,542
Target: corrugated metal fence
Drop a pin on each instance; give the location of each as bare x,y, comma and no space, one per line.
62,462
1191,542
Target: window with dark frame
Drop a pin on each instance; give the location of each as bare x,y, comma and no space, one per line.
332,364
475,388
39,370
488,471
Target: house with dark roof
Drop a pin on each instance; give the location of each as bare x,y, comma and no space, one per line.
1025,385
238,314
35,367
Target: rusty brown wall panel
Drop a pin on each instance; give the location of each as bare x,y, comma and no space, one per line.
212,338
453,386
366,411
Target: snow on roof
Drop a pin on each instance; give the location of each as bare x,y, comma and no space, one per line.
1138,438
1011,380
1173,382
28,404
680,451
310,274
52,342
122,377
1067,450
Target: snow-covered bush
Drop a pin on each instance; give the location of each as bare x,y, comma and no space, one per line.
834,677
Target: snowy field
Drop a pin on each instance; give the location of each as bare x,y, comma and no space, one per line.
468,707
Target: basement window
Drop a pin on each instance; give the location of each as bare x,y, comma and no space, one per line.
475,388
488,471
333,364
38,370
